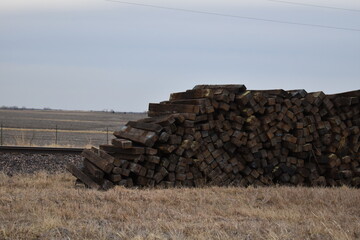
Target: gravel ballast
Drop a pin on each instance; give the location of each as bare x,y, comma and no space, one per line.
18,163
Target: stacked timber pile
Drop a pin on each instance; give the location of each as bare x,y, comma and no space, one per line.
226,135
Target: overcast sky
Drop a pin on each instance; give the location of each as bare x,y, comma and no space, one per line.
95,55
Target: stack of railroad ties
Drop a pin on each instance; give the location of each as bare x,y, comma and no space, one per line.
225,135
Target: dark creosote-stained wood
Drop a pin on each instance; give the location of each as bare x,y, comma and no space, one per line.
227,135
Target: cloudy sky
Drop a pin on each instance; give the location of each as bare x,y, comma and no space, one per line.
95,54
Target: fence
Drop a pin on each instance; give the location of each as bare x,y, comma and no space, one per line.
56,136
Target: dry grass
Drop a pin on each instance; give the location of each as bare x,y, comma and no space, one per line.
23,140
75,128
52,130
46,206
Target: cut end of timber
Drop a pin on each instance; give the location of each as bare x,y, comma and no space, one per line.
227,135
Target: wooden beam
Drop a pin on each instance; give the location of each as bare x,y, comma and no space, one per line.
196,93
145,126
173,108
115,149
121,143
144,137
82,177
99,161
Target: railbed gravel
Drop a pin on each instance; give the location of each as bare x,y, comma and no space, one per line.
28,163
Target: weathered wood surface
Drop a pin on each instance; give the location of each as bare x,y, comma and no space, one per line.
82,177
174,108
101,161
145,137
122,143
92,169
192,94
145,126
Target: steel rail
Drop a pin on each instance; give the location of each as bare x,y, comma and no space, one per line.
21,149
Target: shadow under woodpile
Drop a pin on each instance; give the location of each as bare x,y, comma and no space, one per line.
227,135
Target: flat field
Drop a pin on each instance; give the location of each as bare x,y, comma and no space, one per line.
43,206
62,128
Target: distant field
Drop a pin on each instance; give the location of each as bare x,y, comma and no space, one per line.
74,128
43,206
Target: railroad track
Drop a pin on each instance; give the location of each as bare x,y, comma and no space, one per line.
18,149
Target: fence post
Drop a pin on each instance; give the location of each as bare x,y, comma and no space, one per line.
107,135
1,143
56,132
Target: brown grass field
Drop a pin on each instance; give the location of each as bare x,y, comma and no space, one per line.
43,206
75,128
50,206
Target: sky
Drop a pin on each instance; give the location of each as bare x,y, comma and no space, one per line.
102,55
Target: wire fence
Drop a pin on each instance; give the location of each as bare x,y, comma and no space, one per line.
56,136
